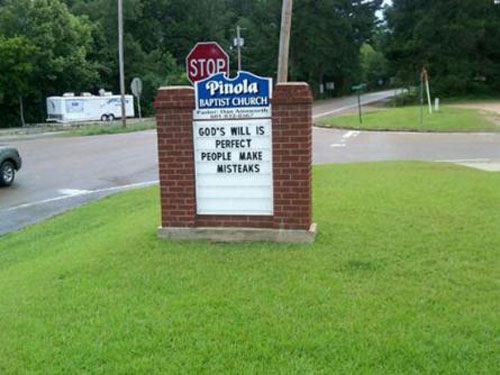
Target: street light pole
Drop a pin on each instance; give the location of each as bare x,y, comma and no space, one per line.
121,63
286,23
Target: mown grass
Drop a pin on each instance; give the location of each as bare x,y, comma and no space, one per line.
448,119
402,279
113,128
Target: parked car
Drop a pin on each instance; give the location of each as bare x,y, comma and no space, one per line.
10,163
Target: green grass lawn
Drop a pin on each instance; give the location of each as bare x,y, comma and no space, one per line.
448,119
403,279
114,128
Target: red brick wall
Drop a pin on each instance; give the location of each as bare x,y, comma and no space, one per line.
292,150
292,155
174,116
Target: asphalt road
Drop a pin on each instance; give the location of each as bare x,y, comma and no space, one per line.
62,172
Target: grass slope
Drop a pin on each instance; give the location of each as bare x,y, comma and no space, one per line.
114,128
448,119
403,279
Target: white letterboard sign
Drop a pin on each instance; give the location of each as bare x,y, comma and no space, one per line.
233,145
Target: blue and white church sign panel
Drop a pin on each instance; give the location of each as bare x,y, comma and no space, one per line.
233,145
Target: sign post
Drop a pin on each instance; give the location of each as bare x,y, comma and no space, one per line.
358,89
206,59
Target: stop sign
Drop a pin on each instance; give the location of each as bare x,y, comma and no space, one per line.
205,59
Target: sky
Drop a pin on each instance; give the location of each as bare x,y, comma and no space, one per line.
380,13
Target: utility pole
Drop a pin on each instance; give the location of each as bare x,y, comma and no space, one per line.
238,43
120,58
238,38
286,24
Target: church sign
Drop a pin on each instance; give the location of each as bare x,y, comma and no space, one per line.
234,155
232,137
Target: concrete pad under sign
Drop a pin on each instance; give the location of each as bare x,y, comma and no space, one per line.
226,234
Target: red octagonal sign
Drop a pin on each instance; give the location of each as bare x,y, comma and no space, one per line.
205,59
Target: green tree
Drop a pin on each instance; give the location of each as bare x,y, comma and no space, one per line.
325,42
327,37
146,52
75,41
16,65
327,34
62,41
373,66
457,40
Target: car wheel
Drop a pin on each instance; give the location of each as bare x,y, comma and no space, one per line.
111,118
104,118
7,173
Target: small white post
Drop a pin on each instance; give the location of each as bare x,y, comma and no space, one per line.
436,104
428,94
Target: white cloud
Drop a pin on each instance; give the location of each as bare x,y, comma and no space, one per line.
380,14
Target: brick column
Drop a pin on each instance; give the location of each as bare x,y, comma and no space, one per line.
292,154
174,117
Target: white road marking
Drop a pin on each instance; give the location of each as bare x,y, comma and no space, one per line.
72,192
345,137
350,134
76,193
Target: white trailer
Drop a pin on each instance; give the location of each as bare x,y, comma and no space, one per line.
87,107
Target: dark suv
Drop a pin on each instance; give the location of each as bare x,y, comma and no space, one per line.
10,163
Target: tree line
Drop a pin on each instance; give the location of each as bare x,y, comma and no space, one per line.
48,47
457,41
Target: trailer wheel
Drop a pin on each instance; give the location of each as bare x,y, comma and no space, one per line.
111,117
104,118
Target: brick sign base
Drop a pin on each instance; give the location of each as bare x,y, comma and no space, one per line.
292,156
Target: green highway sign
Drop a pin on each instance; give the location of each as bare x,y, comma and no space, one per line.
359,87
